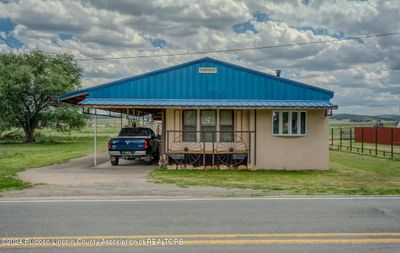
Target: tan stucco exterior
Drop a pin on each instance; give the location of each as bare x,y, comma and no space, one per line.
309,152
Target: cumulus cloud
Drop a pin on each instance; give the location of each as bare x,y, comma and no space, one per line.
364,73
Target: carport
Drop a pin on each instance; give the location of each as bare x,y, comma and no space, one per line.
129,115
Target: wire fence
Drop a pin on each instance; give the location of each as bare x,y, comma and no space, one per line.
382,142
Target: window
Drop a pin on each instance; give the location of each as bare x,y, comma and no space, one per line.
289,123
303,123
285,123
208,125
275,123
189,125
226,125
294,123
136,132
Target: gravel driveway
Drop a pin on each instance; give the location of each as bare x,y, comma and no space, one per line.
78,178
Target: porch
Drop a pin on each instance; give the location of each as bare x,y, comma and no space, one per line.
230,149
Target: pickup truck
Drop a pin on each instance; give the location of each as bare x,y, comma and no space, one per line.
134,143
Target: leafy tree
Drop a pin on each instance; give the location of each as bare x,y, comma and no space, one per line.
4,124
29,88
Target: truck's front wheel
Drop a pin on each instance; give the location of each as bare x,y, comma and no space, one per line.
114,160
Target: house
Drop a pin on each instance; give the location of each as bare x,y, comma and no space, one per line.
216,113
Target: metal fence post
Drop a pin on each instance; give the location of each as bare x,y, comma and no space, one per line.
362,140
391,143
332,137
340,138
376,141
351,140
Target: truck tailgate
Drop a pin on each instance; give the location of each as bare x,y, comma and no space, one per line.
127,144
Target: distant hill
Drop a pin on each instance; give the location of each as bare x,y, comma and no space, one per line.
365,118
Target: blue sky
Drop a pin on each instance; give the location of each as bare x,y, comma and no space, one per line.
364,73
7,26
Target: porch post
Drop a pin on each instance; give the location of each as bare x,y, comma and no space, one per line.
255,138
95,138
121,119
127,117
164,131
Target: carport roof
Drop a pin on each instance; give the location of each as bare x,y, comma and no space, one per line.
203,82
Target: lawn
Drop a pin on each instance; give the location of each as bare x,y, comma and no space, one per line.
348,174
51,148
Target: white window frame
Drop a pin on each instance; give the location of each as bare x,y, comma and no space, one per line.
289,123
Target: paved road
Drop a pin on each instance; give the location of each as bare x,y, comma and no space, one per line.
221,225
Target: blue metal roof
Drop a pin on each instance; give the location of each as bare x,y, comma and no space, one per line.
203,102
184,82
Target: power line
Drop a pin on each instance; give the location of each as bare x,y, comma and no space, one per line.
360,37
7,43
237,49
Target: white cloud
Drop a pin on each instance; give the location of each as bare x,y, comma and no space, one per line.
365,76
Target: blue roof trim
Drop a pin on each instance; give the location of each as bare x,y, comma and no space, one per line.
208,103
175,67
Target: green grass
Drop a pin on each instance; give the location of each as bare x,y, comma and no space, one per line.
349,174
51,148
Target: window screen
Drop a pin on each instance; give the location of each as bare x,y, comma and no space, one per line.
226,125
294,123
208,125
285,122
303,122
275,122
189,125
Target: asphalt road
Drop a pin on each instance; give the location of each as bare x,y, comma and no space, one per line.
222,225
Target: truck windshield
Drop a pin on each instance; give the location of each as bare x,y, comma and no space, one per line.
134,132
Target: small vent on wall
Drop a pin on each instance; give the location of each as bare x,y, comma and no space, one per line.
207,70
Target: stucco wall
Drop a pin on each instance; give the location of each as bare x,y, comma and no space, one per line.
241,123
309,152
